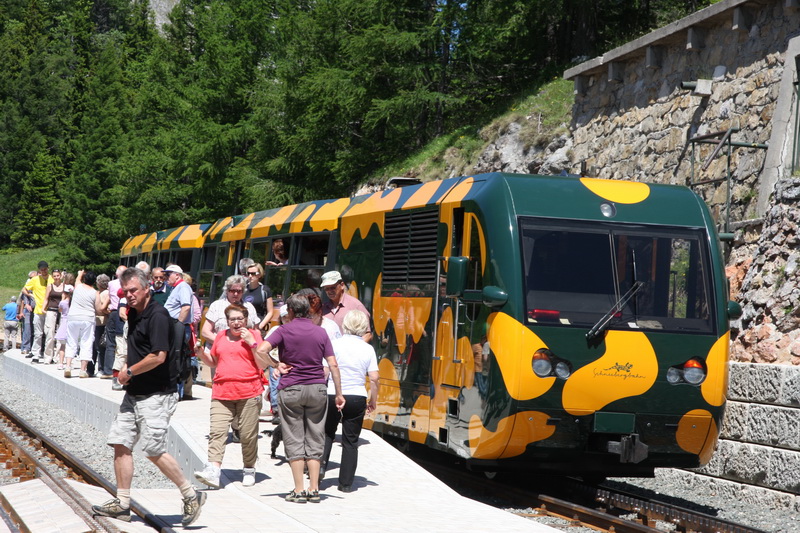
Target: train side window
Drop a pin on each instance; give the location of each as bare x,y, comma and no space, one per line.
280,251
204,284
258,252
312,250
183,258
209,258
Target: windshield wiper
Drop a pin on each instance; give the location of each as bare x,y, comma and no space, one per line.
603,323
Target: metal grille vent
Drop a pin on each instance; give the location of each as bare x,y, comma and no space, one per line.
409,252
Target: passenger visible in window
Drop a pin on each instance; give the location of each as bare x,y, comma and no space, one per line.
280,253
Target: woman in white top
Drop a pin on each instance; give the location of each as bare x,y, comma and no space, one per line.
215,316
80,324
356,359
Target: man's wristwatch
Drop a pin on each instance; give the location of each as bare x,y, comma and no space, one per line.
128,372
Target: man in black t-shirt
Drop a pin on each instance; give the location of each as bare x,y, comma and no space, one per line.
150,378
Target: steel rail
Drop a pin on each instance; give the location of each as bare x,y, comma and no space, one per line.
82,471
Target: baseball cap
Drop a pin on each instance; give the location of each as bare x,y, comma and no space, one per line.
284,311
174,268
330,278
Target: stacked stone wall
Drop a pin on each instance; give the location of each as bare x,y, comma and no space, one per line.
637,125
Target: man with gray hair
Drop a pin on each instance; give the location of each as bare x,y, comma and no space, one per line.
151,398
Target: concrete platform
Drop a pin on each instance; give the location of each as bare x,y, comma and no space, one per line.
392,493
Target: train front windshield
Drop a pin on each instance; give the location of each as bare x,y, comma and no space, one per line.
614,276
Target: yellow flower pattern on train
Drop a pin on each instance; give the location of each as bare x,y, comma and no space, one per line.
513,435
621,192
715,386
628,367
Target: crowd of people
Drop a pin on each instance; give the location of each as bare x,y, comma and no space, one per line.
141,330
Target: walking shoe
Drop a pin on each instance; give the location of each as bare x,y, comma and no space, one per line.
248,477
313,496
345,488
209,476
84,374
115,385
60,367
67,372
191,508
297,498
104,376
28,355
112,509
35,361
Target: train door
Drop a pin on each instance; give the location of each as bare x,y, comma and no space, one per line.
461,337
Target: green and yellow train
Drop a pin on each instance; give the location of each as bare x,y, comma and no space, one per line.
521,322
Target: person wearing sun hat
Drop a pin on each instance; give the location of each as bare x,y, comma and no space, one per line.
340,303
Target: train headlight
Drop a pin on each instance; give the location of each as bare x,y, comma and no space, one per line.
694,372
674,375
563,369
542,363
608,209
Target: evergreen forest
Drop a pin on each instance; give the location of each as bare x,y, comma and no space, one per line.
111,126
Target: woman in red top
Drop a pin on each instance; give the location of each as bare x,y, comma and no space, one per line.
235,394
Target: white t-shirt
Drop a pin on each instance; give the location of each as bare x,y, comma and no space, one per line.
355,358
331,328
216,314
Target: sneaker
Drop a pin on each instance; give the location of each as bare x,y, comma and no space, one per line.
192,507
209,476
67,372
28,355
105,376
297,498
345,488
112,509
35,361
115,385
313,496
84,374
248,477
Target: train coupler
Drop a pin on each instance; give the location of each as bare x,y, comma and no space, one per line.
629,448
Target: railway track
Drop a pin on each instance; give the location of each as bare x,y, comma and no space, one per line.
580,504
28,455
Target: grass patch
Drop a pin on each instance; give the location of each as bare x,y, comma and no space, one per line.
543,116
15,265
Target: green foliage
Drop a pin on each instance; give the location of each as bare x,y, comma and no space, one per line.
38,214
250,104
15,265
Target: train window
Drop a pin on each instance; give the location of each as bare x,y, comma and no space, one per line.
258,251
209,258
183,258
280,251
204,284
219,261
312,250
647,278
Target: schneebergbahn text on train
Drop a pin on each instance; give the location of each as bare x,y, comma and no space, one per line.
521,322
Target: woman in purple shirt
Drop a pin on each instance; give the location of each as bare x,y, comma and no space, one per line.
302,393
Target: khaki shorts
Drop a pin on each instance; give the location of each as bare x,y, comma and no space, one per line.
303,409
145,417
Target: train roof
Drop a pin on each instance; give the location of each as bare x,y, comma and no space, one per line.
529,195
189,236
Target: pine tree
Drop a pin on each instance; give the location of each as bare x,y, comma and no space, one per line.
37,218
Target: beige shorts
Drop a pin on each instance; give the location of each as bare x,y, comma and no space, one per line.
303,409
146,418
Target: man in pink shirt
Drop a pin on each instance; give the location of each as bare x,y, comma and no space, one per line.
340,303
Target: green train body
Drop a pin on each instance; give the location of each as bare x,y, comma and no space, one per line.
521,322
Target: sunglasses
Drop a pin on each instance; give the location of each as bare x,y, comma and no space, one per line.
252,273
235,291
